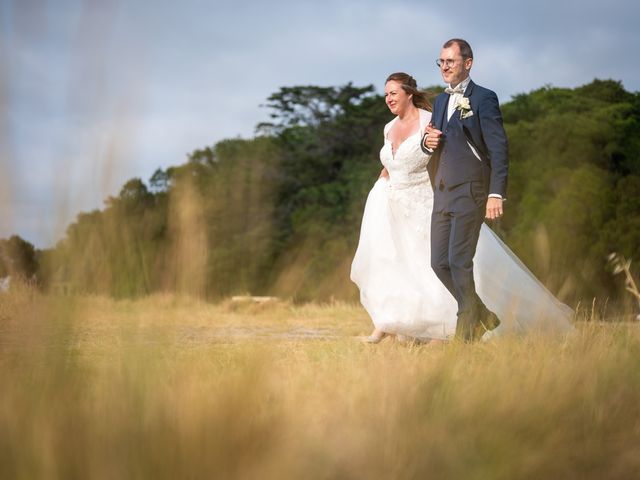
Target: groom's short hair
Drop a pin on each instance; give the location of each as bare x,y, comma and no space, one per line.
463,45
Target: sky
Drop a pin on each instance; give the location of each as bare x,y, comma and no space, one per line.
93,93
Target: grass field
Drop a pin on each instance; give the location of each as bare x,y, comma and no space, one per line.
168,387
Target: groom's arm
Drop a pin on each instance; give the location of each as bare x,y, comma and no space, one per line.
428,142
423,144
431,139
495,139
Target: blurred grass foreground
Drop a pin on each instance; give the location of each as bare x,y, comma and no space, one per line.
171,387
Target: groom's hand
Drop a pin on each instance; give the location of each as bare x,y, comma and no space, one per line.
494,208
433,137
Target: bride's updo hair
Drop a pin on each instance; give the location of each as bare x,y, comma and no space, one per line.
410,86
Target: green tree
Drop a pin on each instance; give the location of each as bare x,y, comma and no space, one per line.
17,258
280,213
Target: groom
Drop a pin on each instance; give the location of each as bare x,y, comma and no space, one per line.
468,171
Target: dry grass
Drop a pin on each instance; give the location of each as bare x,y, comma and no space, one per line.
169,387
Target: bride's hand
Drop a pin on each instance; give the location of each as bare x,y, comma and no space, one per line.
384,173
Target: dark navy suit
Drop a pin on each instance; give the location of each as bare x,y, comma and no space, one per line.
461,184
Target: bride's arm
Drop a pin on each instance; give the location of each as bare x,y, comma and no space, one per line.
384,173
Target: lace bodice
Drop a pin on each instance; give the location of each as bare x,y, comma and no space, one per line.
408,166
408,188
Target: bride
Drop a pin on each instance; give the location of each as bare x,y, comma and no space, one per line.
392,264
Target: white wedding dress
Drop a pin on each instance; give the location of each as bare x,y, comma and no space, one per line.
392,264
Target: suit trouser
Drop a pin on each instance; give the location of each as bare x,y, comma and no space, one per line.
455,227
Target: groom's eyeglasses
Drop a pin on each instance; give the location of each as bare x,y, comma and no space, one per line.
445,63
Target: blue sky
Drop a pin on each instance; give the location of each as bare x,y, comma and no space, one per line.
93,93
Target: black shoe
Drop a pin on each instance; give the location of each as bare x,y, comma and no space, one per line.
465,328
488,323
491,321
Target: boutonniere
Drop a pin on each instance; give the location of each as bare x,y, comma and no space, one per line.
465,107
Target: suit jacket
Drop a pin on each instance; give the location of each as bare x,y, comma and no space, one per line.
483,130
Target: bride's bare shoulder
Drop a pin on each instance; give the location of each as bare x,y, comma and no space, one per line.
425,118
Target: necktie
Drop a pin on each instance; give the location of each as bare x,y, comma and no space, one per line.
457,89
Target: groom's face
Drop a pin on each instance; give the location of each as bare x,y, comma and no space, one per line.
454,68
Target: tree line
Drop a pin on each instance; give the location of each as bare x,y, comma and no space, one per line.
280,213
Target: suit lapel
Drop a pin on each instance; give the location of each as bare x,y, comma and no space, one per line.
467,93
444,120
445,107
469,90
